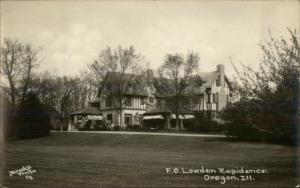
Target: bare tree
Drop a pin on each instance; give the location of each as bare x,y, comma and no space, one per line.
273,88
18,61
279,68
12,51
91,82
29,61
117,68
174,79
63,93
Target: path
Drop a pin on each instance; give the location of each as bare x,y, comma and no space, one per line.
147,133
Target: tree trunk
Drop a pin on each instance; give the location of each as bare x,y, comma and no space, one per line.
26,84
178,126
24,91
120,119
12,91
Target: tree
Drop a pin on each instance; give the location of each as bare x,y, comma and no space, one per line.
115,70
90,82
12,51
29,61
32,118
174,79
273,89
18,61
63,93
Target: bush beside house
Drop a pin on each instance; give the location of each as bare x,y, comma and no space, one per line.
203,123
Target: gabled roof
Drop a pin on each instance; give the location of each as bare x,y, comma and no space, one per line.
135,84
208,78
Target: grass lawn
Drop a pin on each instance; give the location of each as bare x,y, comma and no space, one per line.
65,160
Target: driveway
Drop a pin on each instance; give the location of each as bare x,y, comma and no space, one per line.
147,133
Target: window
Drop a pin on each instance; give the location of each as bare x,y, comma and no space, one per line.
95,104
128,101
158,102
173,123
140,119
208,98
143,101
128,119
108,102
151,100
215,97
195,101
109,118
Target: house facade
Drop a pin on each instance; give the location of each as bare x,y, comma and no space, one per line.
141,102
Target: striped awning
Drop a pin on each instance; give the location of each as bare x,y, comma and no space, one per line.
188,116
94,117
153,117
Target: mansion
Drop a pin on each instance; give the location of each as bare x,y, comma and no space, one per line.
141,103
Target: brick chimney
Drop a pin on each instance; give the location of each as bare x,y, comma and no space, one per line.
221,70
149,76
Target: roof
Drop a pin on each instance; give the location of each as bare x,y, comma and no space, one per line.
208,79
199,84
134,84
87,111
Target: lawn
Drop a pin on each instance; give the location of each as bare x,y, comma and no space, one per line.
65,160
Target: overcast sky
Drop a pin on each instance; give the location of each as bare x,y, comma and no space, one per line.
73,32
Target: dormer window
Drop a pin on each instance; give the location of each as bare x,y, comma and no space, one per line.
151,100
128,101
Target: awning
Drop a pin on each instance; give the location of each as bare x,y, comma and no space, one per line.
173,116
94,117
153,117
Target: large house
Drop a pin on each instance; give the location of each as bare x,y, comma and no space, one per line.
141,103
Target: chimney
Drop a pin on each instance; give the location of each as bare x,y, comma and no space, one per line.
149,76
221,69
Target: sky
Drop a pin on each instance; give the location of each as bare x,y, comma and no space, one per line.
72,33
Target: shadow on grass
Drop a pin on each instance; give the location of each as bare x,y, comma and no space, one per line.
254,140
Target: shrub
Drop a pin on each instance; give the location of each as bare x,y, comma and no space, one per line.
31,119
116,128
203,123
134,127
258,120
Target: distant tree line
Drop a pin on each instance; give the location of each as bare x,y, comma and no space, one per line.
29,91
